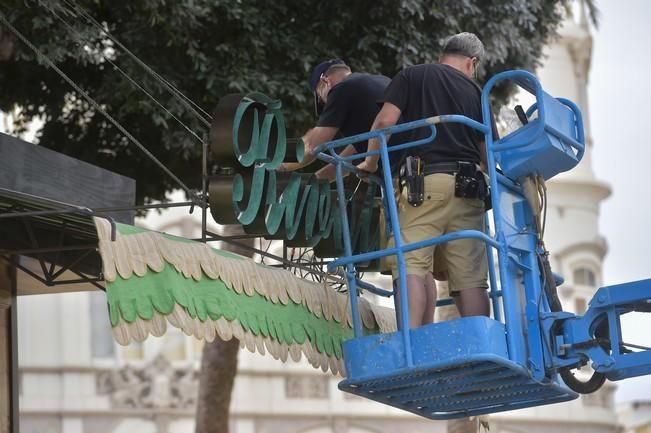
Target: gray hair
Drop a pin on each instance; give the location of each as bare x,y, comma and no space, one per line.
337,67
464,44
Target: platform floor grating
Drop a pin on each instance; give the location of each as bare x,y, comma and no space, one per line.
461,390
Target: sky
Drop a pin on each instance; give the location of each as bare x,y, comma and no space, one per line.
619,94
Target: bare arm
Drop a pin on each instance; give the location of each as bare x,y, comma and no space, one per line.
328,172
313,138
482,155
388,116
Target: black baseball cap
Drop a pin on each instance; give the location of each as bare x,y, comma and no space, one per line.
321,68
318,70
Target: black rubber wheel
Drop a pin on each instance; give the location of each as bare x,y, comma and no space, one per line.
597,379
591,385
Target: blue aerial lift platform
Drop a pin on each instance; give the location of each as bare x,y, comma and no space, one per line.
524,355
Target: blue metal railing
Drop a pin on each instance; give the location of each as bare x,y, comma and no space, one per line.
386,184
510,299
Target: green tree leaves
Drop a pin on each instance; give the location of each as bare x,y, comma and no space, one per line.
209,48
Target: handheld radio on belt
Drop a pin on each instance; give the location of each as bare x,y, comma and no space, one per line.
466,182
412,175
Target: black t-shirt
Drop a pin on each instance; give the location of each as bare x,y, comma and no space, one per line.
435,89
352,106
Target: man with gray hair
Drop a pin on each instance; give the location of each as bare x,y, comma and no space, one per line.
437,199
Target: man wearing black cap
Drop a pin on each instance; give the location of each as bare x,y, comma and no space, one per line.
424,91
346,103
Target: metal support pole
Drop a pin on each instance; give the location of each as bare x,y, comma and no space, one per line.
13,276
204,187
284,254
400,255
494,291
348,251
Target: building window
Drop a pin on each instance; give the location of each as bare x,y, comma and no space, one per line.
585,277
580,305
173,345
102,345
135,351
306,387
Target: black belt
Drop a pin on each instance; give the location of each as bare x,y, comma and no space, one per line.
443,167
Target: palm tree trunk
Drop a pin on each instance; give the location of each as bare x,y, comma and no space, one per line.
216,378
219,365
463,425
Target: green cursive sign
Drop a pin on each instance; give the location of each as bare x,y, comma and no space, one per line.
249,142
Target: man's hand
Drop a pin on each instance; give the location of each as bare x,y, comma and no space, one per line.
311,140
290,166
316,136
367,166
329,172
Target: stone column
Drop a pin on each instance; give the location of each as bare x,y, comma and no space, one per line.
6,355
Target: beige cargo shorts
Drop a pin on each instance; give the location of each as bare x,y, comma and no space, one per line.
441,212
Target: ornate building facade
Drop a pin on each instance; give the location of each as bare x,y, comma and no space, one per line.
75,379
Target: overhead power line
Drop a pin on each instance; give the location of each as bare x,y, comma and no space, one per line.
83,40
94,103
187,102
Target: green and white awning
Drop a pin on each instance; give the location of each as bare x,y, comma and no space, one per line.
153,278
